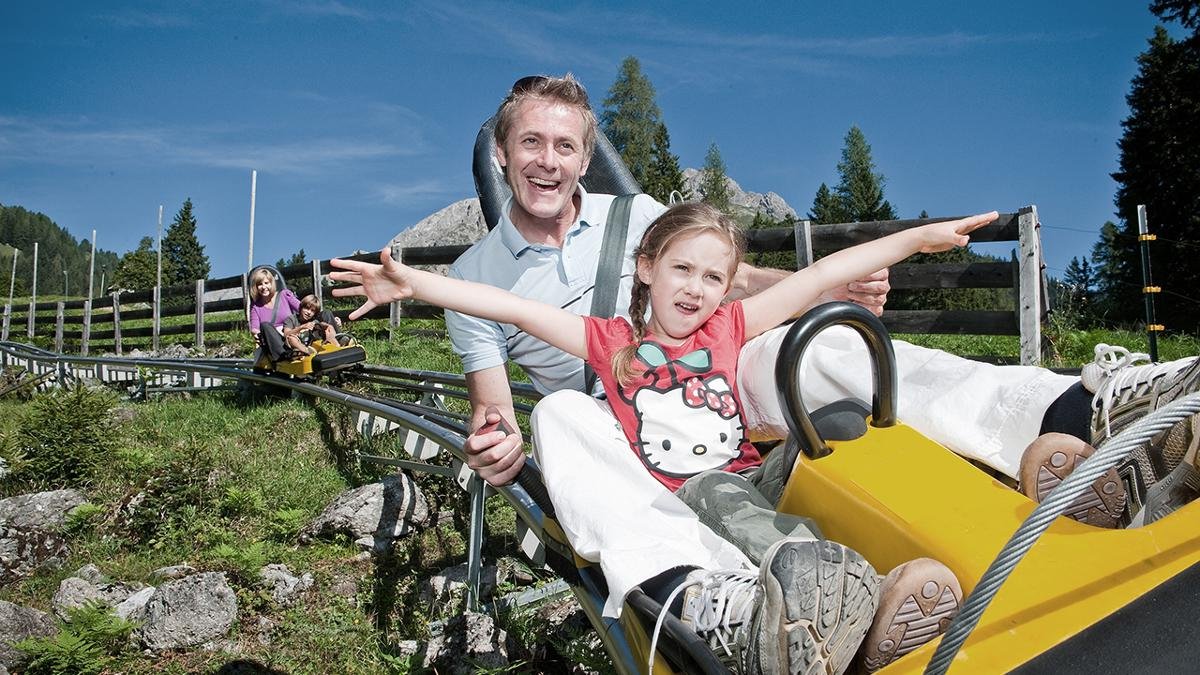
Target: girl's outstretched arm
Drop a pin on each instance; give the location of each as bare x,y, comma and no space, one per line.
783,300
390,281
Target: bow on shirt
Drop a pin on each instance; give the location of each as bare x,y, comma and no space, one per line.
697,394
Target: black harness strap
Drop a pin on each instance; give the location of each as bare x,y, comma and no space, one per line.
608,270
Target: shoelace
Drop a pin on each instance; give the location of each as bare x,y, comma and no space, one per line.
726,602
1111,358
1129,382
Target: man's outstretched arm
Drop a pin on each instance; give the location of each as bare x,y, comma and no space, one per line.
870,292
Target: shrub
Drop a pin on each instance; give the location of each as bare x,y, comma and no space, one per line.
65,435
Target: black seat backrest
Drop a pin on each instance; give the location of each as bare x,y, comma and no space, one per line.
606,174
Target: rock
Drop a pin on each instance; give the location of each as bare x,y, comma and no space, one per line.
373,515
18,623
30,531
133,608
75,592
283,586
469,643
448,585
346,588
23,551
770,204
188,612
173,572
458,223
123,415
91,573
40,511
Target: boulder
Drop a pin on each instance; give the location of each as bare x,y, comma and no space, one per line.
448,585
283,585
31,531
18,623
188,612
373,515
469,643
74,592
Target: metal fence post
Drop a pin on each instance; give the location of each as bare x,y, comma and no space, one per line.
32,309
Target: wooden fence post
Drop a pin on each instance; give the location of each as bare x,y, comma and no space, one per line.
60,311
87,326
116,314
804,254
1029,281
156,321
316,279
29,330
200,313
394,313
7,317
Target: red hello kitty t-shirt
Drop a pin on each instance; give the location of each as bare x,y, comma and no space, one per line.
683,415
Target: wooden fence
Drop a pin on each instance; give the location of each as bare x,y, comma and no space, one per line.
124,320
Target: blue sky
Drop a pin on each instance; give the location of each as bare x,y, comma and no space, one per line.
360,116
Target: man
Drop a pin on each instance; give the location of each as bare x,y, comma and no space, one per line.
546,246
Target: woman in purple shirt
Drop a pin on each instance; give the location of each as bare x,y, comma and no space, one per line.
269,309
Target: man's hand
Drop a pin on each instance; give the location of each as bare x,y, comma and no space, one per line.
870,292
494,453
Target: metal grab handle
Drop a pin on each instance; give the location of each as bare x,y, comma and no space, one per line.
787,369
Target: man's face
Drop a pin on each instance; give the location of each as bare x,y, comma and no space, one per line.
543,160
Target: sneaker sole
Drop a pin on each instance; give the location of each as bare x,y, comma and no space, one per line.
918,600
819,598
1101,505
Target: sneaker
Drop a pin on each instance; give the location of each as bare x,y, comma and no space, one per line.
1108,360
1047,462
719,606
917,600
818,599
1128,394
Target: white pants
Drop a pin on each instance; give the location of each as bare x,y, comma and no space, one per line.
615,513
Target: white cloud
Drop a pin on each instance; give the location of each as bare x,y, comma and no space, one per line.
133,18
404,193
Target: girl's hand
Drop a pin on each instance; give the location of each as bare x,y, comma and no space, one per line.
381,284
937,237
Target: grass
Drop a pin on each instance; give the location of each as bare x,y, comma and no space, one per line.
222,482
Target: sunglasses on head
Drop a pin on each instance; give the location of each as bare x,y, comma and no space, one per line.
528,82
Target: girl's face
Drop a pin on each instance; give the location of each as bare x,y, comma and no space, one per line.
307,314
687,282
265,288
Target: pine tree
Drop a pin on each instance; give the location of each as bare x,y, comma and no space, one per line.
827,208
138,269
1118,285
631,119
665,175
183,255
1159,166
861,188
296,258
713,186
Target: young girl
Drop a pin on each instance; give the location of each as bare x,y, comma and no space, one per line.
670,378
269,310
311,323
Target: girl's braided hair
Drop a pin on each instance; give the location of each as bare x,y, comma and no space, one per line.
679,221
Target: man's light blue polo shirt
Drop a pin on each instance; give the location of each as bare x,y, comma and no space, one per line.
560,277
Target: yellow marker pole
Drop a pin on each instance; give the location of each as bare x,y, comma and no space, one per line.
1148,288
